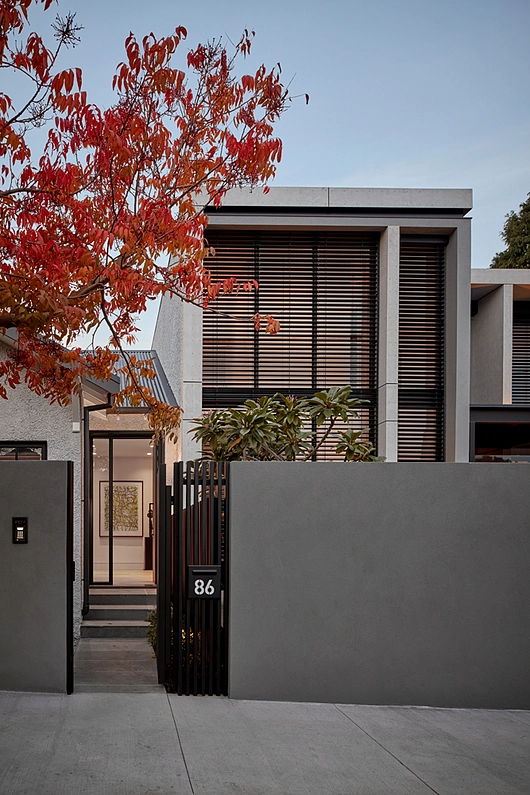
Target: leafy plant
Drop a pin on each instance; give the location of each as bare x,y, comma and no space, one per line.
151,631
281,428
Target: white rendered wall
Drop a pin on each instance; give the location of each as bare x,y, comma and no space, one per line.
26,417
491,348
178,343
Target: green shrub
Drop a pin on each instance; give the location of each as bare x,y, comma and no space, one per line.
279,428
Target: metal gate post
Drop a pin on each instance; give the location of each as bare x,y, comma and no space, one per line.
163,595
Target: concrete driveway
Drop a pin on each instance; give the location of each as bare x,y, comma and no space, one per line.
144,743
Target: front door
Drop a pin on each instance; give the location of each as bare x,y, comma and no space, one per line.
122,510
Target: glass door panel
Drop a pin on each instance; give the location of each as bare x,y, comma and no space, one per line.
101,511
133,496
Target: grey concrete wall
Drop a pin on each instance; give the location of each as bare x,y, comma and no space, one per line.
26,417
380,583
491,348
34,577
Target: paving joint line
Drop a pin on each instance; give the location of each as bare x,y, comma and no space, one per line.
387,751
518,720
180,744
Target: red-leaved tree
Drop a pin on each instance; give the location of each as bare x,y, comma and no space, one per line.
86,223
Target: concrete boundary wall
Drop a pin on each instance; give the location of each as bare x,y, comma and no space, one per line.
36,621
380,583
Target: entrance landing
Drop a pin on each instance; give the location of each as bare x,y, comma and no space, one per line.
134,578
113,654
115,665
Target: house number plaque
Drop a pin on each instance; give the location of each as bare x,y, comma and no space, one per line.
204,582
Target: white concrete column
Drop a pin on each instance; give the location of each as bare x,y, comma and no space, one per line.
491,347
457,343
387,394
178,343
191,378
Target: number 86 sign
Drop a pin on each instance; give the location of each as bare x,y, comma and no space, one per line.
204,582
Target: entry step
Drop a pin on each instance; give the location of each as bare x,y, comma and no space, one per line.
114,629
123,596
119,612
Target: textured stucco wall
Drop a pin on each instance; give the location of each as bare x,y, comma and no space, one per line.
380,583
26,417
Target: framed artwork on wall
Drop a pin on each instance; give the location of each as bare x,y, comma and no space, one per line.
127,498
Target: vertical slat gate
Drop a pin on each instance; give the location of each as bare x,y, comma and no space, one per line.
197,645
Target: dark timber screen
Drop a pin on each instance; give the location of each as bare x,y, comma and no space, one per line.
193,604
421,350
521,352
322,287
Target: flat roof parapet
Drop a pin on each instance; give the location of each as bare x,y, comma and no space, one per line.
442,199
497,276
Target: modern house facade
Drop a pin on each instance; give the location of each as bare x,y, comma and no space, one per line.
372,289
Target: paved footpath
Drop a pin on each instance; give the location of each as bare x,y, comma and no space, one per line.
146,743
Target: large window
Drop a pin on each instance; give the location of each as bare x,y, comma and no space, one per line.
23,451
322,287
503,441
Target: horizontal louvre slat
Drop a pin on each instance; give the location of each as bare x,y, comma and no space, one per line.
421,360
322,289
521,352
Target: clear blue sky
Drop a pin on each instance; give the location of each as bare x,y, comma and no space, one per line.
404,93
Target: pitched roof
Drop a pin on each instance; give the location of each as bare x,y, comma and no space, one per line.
159,385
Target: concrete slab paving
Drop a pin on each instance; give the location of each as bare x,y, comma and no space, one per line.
454,751
126,743
89,744
274,748
115,661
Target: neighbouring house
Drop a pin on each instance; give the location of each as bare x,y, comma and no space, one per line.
32,429
109,547
500,365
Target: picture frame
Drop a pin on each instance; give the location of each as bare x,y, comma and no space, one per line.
127,508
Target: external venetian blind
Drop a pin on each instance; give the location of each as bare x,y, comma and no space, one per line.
322,288
421,350
521,352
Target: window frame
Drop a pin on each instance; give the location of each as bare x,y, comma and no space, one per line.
23,443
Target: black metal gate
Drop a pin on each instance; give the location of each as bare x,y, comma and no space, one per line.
192,604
